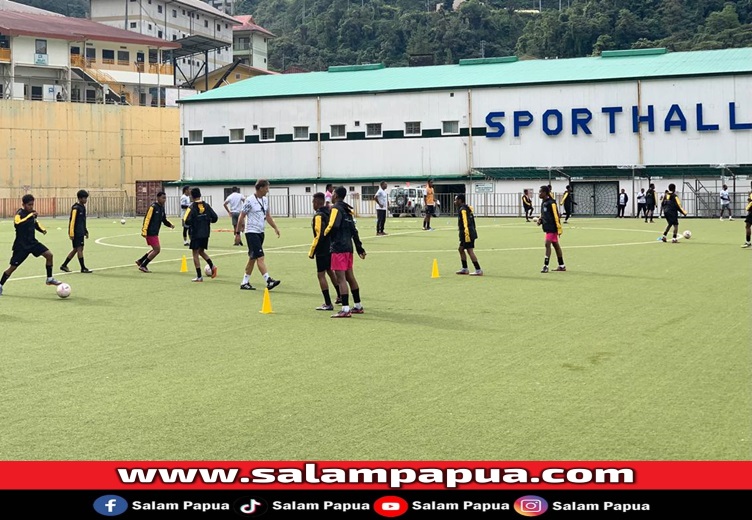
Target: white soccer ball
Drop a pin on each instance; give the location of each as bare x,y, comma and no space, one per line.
63,290
535,220
208,270
687,234
122,221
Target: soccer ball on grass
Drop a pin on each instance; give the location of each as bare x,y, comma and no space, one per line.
63,290
535,220
122,221
687,234
207,270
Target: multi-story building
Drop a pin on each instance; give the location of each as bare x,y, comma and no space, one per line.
226,6
48,57
204,32
250,42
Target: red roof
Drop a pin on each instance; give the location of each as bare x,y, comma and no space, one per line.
73,29
250,25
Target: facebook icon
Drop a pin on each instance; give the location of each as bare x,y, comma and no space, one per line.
110,505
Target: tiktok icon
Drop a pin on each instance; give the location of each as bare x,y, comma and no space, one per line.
251,506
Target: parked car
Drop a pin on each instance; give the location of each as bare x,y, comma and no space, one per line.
406,201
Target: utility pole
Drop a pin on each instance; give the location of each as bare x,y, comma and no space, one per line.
483,48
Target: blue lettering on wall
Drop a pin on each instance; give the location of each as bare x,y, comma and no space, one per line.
559,122
702,127
669,122
637,119
491,123
552,120
732,119
612,111
580,118
521,118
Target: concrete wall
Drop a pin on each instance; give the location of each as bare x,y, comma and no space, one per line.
52,149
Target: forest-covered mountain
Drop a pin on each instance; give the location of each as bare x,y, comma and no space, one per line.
315,34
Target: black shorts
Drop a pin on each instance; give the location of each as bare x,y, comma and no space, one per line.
199,243
671,218
323,263
650,207
255,243
78,241
748,220
20,256
430,210
467,245
235,217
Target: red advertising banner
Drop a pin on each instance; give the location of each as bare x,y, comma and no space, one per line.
375,475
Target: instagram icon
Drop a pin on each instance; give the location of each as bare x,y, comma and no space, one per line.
530,505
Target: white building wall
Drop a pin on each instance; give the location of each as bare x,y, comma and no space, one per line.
24,49
420,157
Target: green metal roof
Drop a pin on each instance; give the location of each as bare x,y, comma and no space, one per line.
490,72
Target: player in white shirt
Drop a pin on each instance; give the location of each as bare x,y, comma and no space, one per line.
253,218
381,199
725,202
233,205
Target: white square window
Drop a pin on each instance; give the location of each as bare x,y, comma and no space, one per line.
267,134
196,136
373,129
300,132
412,128
450,127
237,135
338,132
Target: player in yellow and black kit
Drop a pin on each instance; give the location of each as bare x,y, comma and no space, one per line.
468,236
153,221
748,223
77,232
568,203
671,209
320,250
550,221
527,205
198,219
26,242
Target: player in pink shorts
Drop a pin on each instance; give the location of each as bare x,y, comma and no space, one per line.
153,221
550,221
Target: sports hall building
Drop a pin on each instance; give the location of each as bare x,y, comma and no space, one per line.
487,127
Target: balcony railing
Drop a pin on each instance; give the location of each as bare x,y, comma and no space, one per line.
108,64
5,55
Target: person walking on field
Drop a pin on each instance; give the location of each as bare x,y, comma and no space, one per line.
381,198
468,236
671,209
199,217
725,202
185,203
320,250
550,221
342,233
26,243
253,218
233,205
430,206
650,203
568,203
155,217
527,205
77,232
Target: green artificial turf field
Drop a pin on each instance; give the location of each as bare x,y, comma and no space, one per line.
640,351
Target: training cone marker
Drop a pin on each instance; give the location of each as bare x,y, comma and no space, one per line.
266,307
184,265
435,270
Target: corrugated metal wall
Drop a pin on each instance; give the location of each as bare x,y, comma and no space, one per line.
54,149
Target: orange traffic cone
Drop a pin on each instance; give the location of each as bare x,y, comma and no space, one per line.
266,306
435,270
